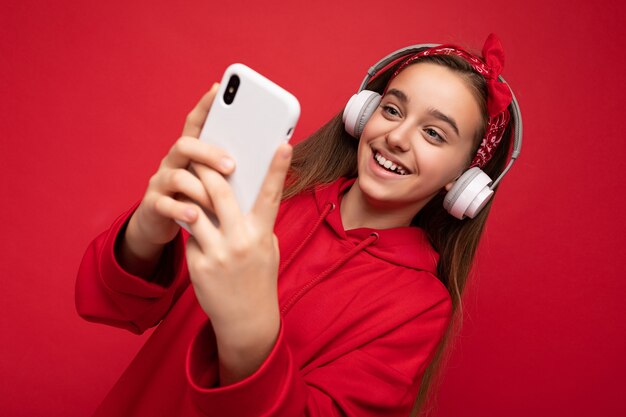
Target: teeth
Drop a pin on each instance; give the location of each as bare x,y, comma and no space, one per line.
382,161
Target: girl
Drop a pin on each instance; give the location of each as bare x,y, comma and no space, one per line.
332,300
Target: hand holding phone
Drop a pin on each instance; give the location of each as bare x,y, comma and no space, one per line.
250,116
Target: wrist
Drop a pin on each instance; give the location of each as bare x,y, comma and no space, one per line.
243,349
135,254
137,242
241,339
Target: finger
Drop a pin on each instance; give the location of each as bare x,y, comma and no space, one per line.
195,257
168,207
204,231
201,270
184,199
197,116
220,192
192,250
181,181
188,149
268,201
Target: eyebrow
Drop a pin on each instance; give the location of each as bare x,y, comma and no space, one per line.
439,115
433,112
399,94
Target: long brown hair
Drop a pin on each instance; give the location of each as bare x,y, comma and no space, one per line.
331,152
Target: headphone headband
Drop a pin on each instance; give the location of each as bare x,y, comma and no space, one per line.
409,50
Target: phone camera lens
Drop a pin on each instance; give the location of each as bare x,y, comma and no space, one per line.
231,89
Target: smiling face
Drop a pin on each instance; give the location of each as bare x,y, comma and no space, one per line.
417,142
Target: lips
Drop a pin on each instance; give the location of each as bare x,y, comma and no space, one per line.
390,165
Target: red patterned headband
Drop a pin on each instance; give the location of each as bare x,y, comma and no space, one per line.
498,94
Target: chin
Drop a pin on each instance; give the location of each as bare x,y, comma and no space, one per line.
394,194
379,194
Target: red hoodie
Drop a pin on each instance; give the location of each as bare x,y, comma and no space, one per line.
361,315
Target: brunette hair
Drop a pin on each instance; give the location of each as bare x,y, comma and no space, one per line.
331,152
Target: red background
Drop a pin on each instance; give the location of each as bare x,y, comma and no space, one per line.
92,94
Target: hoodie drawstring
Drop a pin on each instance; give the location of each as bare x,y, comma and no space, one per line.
309,285
329,207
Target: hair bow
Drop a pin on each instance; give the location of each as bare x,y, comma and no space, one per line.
498,94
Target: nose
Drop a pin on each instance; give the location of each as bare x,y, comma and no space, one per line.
399,137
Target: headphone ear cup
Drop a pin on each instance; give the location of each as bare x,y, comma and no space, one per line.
469,194
358,111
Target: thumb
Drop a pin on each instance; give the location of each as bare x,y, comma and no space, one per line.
268,201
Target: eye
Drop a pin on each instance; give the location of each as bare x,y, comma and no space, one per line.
390,110
433,135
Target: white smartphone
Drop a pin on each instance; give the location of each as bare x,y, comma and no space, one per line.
250,117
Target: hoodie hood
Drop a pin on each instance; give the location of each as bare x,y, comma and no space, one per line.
404,246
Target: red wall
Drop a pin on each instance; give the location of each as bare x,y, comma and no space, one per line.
92,94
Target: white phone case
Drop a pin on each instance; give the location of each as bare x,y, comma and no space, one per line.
260,118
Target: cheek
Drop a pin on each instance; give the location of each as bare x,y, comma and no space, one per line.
442,165
371,131
368,132
361,148
375,126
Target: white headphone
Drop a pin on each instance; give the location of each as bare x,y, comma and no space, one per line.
473,189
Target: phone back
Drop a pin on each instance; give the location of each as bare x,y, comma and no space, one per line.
260,117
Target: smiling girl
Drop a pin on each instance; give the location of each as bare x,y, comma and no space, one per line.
332,296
